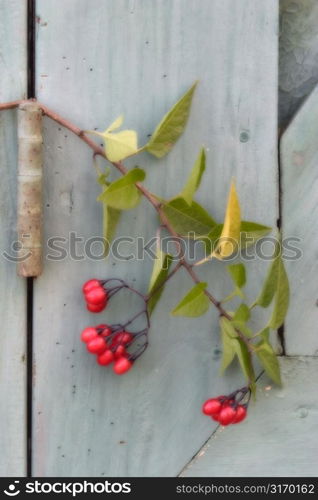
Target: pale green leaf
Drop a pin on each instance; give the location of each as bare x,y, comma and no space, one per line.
194,179
251,232
238,274
228,341
281,298
242,327
188,221
111,218
245,361
120,145
268,360
270,284
159,274
122,194
194,303
242,313
171,126
115,125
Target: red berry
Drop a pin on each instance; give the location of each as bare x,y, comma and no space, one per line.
96,308
106,331
96,296
227,415
122,338
89,285
101,326
240,414
96,346
122,365
120,351
88,334
211,406
106,358
215,417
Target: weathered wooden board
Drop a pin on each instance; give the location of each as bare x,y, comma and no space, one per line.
274,440
12,289
298,52
299,156
138,57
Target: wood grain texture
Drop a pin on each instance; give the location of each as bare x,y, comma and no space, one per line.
299,156
273,441
138,57
298,53
12,288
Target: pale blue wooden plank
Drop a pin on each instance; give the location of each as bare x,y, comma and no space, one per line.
137,57
299,156
12,289
279,437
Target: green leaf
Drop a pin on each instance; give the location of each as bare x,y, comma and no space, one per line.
228,335
242,313
251,232
111,218
238,274
268,360
194,179
281,298
270,284
159,274
242,327
171,126
122,193
244,360
194,303
188,220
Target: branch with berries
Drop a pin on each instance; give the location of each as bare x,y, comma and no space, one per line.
185,220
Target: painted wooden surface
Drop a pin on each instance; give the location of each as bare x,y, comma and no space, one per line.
279,437
12,288
138,57
298,54
299,156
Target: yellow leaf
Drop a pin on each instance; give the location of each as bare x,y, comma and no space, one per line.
118,145
229,239
116,124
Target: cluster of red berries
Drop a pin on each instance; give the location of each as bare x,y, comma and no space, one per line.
95,295
109,346
110,343
227,409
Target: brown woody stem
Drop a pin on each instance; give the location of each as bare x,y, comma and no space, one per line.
155,203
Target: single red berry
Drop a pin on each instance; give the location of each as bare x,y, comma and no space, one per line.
88,334
241,413
120,351
122,338
215,417
122,365
97,345
101,326
89,285
96,308
211,406
106,358
106,331
96,296
227,415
